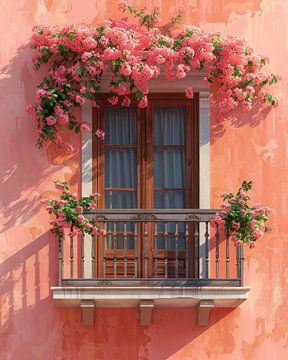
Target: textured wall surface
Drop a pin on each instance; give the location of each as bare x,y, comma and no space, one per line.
31,327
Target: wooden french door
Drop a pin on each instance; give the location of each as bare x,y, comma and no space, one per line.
149,159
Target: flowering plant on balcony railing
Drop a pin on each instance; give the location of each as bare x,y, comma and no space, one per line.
244,224
136,52
68,213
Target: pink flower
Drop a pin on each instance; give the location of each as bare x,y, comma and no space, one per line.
226,206
94,231
235,225
72,233
40,93
79,99
59,221
102,232
92,206
86,56
243,194
126,101
100,134
217,220
159,59
80,218
113,100
252,224
258,233
125,69
85,127
189,93
79,209
51,121
143,102
59,186
180,71
238,243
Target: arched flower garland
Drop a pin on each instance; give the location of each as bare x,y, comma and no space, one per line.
79,56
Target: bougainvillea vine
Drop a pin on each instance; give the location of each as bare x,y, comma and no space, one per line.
243,224
67,212
135,52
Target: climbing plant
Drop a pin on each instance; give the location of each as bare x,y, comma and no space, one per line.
135,51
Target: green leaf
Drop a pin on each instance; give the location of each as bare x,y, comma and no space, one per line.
139,95
79,70
71,125
187,59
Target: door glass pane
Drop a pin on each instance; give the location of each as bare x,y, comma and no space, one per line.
121,125
169,156
169,199
120,168
120,199
169,125
169,168
120,151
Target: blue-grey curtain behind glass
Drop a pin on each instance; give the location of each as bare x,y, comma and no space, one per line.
120,162
120,167
169,157
169,167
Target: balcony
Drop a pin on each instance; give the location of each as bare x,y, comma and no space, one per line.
150,258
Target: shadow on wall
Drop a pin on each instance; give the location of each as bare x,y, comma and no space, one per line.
23,167
25,280
32,327
237,118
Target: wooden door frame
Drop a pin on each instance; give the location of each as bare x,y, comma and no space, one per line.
145,165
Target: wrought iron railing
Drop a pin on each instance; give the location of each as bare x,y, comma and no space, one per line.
151,246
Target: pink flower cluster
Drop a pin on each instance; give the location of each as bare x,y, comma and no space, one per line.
68,213
79,56
239,221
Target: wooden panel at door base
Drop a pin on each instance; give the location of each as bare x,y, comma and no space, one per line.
116,269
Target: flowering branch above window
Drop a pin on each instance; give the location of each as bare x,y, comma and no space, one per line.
79,56
242,223
68,213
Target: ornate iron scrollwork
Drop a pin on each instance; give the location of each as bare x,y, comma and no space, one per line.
99,217
144,217
192,217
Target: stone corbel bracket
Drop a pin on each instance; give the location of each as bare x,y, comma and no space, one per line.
145,309
88,310
204,307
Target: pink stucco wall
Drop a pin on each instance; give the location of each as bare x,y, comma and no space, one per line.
31,327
